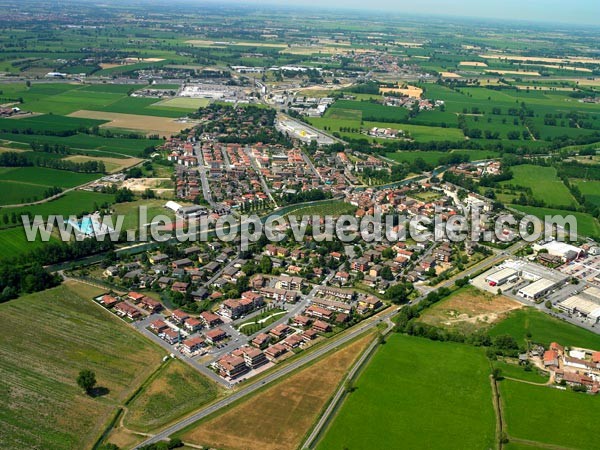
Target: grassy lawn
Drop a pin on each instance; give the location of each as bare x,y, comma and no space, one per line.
544,329
513,370
293,404
53,335
176,390
526,412
332,208
260,321
421,393
543,182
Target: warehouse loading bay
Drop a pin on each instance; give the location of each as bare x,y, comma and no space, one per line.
534,285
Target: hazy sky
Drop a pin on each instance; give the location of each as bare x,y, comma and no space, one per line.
572,11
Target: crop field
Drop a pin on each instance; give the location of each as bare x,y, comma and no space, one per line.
403,396
371,111
74,202
85,142
544,329
184,103
176,390
469,310
13,242
111,164
295,402
543,182
55,334
48,122
27,184
147,124
525,410
587,225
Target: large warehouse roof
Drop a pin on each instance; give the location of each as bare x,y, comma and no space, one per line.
534,289
583,305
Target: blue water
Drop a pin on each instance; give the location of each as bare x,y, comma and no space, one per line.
86,225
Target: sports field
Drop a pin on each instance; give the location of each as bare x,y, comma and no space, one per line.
53,335
418,394
544,329
293,405
526,414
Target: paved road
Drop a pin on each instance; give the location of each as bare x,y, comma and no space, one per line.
335,343
271,377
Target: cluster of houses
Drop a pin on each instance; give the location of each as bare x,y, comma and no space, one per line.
132,306
182,329
574,367
385,133
407,102
284,170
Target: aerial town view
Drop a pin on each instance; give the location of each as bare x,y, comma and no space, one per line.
272,225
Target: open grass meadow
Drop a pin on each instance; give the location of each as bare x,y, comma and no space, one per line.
53,335
527,414
293,404
420,393
48,122
590,190
543,182
13,242
587,225
174,391
544,329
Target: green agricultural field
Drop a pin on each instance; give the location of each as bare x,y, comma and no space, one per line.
371,111
587,225
543,182
13,242
53,335
174,391
27,184
433,157
525,410
73,202
544,329
421,393
86,142
590,190
48,122
184,103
